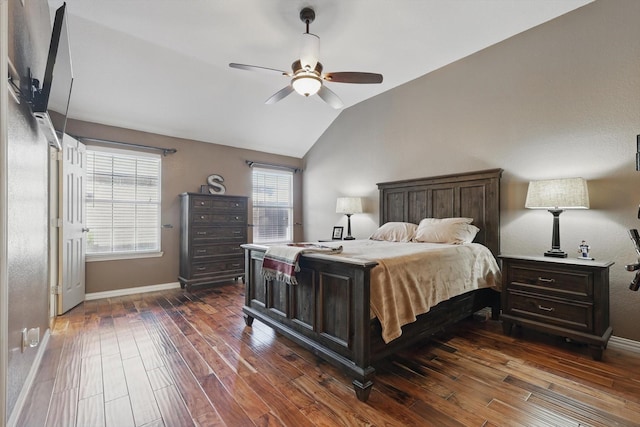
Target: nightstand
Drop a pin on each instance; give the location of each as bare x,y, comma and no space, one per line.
560,296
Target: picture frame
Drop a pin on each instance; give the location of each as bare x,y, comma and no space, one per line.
337,233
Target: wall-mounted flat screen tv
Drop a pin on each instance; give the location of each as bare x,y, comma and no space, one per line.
55,93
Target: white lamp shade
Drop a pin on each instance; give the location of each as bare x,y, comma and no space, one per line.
349,205
565,193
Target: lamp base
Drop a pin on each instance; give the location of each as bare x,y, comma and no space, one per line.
349,238
556,253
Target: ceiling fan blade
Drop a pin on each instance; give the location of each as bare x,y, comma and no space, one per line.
310,51
257,68
353,77
330,97
282,93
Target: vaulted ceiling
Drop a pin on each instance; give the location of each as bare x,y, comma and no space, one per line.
162,66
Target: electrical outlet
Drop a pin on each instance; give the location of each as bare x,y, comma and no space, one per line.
33,337
30,338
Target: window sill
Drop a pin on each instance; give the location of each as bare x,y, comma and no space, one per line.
122,257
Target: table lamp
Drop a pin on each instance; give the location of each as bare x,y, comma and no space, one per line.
556,195
349,206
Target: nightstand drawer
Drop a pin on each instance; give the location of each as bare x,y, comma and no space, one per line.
576,316
550,280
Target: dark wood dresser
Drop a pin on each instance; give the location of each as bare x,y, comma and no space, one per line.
212,228
561,296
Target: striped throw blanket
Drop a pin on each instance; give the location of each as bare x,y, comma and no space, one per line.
281,262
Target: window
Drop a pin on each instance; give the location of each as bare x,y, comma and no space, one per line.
272,206
123,202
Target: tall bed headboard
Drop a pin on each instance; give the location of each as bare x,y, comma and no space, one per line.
471,194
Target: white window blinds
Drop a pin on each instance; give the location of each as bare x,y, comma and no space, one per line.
272,206
123,201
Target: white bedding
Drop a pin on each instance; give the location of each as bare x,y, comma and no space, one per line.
410,278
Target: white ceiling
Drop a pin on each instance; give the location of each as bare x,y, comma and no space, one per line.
161,66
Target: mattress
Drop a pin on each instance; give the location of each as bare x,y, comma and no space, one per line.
410,278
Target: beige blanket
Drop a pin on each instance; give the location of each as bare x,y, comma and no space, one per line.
410,278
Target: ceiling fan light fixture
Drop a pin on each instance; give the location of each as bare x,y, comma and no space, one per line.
306,84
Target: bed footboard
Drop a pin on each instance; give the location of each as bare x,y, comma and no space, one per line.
327,312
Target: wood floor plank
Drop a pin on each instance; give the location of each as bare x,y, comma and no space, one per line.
149,353
230,411
143,403
91,411
68,372
113,378
127,343
109,343
118,413
90,376
159,378
172,407
567,405
278,402
191,391
63,408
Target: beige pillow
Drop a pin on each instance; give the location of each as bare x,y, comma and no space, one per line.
446,230
395,232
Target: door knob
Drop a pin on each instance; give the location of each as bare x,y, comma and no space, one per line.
85,230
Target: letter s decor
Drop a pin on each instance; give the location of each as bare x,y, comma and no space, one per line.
215,184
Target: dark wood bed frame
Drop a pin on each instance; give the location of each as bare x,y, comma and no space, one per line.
328,310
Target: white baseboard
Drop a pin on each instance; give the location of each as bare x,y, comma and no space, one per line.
130,291
624,344
28,382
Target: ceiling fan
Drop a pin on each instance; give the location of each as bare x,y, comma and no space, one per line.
306,74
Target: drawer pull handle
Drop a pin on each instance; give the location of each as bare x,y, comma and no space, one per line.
235,265
201,251
545,308
202,217
201,268
543,280
201,203
201,233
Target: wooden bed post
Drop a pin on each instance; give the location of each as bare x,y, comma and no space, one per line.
362,382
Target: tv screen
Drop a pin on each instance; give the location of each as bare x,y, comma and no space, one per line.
55,93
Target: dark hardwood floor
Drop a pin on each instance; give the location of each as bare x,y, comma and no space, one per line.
175,359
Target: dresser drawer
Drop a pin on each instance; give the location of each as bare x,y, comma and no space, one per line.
206,235
218,218
558,281
211,251
221,267
207,203
577,316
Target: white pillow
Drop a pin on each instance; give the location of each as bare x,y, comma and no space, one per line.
446,230
395,232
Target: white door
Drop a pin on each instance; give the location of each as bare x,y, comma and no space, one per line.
73,236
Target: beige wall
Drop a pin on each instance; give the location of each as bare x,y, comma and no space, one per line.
560,100
27,226
183,171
